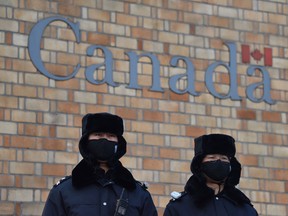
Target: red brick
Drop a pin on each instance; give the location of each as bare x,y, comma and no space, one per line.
27,91
157,95
22,65
138,150
18,179
52,144
36,130
57,70
21,168
246,114
142,33
18,209
140,44
154,140
68,107
279,174
171,153
248,160
67,58
271,116
126,19
282,198
243,4
53,170
23,142
99,39
126,113
153,164
170,177
69,10
153,116
34,182
157,188
160,211
8,38
96,88
8,102
179,97
8,154
7,180
180,118
99,15
52,131
194,131
219,21
272,139
253,38
167,14
180,166
7,208
38,5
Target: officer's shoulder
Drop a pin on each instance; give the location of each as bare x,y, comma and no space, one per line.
143,185
62,180
177,195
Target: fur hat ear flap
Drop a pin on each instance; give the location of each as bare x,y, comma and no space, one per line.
235,174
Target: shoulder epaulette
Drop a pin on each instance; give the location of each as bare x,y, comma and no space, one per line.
177,195
144,185
62,180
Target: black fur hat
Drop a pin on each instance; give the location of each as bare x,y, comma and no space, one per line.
216,144
102,122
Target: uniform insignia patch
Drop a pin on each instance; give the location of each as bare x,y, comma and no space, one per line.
62,180
177,195
144,185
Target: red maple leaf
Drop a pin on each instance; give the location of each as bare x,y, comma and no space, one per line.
257,55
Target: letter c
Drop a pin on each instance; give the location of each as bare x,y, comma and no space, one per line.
34,43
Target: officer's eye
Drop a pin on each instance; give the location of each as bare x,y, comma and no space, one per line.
224,158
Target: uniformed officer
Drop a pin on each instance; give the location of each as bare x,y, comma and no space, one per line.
99,184
211,190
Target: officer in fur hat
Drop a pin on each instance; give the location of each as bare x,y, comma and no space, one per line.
211,190
99,184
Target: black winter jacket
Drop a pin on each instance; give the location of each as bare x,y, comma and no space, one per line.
199,200
89,192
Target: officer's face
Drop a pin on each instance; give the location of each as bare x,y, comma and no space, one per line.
214,157
108,136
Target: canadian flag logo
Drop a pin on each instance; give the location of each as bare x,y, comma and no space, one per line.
256,55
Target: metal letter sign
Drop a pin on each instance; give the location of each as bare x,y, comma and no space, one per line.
232,70
35,42
231,67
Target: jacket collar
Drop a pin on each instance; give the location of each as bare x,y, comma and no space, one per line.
201,193
83,174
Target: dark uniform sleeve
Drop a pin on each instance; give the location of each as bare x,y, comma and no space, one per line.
149,208
172,208
54,204
169,211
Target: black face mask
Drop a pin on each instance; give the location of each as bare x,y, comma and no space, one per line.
102,149
216,170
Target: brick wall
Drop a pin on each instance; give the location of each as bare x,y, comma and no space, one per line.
40,118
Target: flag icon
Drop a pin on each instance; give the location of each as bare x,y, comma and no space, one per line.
256,55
